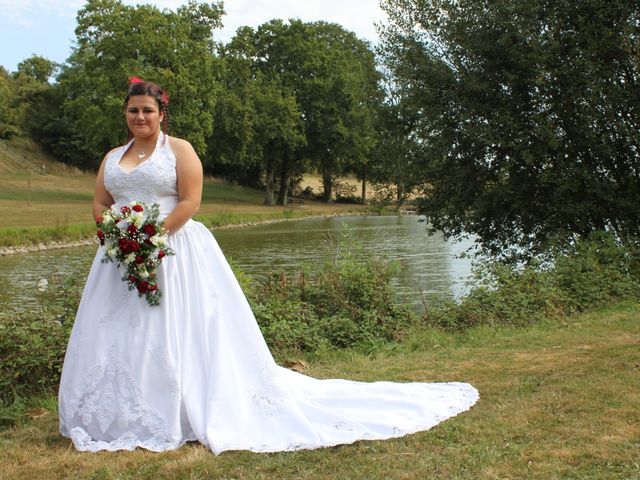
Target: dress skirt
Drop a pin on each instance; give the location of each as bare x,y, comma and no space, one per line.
197,367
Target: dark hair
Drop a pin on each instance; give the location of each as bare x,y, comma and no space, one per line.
140,87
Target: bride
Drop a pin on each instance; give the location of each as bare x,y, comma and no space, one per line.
196,367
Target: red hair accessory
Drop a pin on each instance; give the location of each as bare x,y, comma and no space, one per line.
133,80
165,97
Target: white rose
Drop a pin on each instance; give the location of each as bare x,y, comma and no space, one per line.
137,218
143,273
159,241
129,258
106,217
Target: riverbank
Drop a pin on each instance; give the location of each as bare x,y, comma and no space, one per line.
560,399
224,220
46,204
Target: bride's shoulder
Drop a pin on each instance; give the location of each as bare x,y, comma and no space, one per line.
179,143
181,148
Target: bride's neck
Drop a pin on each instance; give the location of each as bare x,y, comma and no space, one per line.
147,142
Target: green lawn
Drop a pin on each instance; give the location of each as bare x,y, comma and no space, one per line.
559,400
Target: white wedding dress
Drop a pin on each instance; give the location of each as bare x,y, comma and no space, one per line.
196,367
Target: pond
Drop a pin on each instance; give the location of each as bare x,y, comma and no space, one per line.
429,265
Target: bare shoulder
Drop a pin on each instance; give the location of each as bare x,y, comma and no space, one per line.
181,148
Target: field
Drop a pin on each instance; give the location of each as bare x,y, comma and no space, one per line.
559,400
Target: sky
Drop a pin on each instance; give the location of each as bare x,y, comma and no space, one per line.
46,27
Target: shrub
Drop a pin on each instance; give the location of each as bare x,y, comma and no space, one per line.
32,351
347,302
583,276
33,344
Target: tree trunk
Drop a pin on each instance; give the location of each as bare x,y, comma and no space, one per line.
364,184
270,185
327,184
285,179
400,193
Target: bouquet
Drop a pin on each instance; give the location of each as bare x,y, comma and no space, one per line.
133,237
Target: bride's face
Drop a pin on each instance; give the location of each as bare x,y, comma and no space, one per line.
143,115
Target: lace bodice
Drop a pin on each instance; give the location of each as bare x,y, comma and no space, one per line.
152,181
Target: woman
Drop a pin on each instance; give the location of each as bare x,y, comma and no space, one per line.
196,367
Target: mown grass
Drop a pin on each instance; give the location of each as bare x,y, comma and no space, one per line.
559,400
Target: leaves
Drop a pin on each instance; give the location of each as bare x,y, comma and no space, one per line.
526,116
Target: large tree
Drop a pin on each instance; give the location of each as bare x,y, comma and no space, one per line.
25,96
258,121
114,41
331,75
340,98
393,165
529,111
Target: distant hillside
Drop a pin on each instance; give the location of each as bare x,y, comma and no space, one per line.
23,155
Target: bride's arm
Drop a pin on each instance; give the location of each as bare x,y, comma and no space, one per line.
189,172
102,199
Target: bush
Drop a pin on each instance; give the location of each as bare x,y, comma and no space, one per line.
32,352
348,302
583,276
33,344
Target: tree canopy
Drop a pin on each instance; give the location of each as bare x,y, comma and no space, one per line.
529,115
516,121
115,41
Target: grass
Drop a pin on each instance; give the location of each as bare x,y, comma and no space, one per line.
56,206
559,400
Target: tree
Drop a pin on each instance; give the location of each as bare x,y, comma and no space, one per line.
37,68
258,123
330,75
338,99
25,96
115,41
396,155
529,115
9,124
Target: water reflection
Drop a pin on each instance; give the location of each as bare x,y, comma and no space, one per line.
427,264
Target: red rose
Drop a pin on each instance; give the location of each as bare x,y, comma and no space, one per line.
139,259
143,286
100,235
125,210
123,244
161,254
132,229
153,288
132,279
100,219
137,208
149,229
128,246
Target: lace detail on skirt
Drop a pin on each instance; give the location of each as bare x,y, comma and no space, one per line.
111,406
